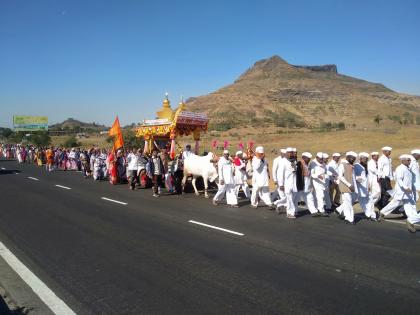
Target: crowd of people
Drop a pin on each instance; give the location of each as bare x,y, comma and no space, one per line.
322,185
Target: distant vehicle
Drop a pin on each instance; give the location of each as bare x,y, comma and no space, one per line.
104,132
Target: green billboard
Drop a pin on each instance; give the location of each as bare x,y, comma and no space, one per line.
30,123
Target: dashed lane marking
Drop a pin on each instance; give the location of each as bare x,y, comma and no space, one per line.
216,228
56,305
64,187
116,201
33,178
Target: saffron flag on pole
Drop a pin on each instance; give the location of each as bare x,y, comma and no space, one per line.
115,132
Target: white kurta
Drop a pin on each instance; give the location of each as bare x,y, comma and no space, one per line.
260,179
414,168
362,181
385,167
317,170
279,196
226,182
241,179
346,207
287,178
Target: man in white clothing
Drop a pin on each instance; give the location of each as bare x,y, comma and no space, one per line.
318,173
327,198
286,181
226,181
187,152
362,181
374,187
347,187
240,175
414,168
332,171
132,166
278,195
260,177
404,194
385,176
304,184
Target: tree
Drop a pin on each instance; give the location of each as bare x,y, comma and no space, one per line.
71,142
6,132
377,119
40,139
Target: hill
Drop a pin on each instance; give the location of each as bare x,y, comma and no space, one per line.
75,125
275,94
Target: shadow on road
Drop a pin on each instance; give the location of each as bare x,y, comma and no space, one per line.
9,172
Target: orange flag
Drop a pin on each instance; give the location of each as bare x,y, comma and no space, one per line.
115,132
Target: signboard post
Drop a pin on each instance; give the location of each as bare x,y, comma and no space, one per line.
30,123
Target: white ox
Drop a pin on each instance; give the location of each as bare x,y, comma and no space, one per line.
200,166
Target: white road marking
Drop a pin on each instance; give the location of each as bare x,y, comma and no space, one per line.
33,178
216,227
56,305
3,168
116,201
64,187
399,222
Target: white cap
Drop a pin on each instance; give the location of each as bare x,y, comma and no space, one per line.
259,149
416,151
374,153
307,154
239,153
386,149
351,153
319,155
294,150
325,155
336,154
405,157
225,151
289,149
283,151
363,155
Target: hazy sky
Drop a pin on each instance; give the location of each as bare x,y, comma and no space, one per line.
92,60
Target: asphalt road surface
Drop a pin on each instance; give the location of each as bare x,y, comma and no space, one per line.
143,255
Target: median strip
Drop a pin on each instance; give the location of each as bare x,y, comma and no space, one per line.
33,178
216,228
64,187
116,201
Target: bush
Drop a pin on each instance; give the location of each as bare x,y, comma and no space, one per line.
417,120
71,142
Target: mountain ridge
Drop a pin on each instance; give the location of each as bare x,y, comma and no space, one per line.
275,93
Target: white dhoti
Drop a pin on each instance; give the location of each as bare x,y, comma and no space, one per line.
308,198
291,203
366,205
262,192
409,207
245,189
320,199
229,191
280,197
346,207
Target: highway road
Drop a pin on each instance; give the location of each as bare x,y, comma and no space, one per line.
104,249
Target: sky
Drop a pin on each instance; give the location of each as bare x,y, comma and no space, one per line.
92,60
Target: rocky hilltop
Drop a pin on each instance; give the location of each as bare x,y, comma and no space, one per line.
275,93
